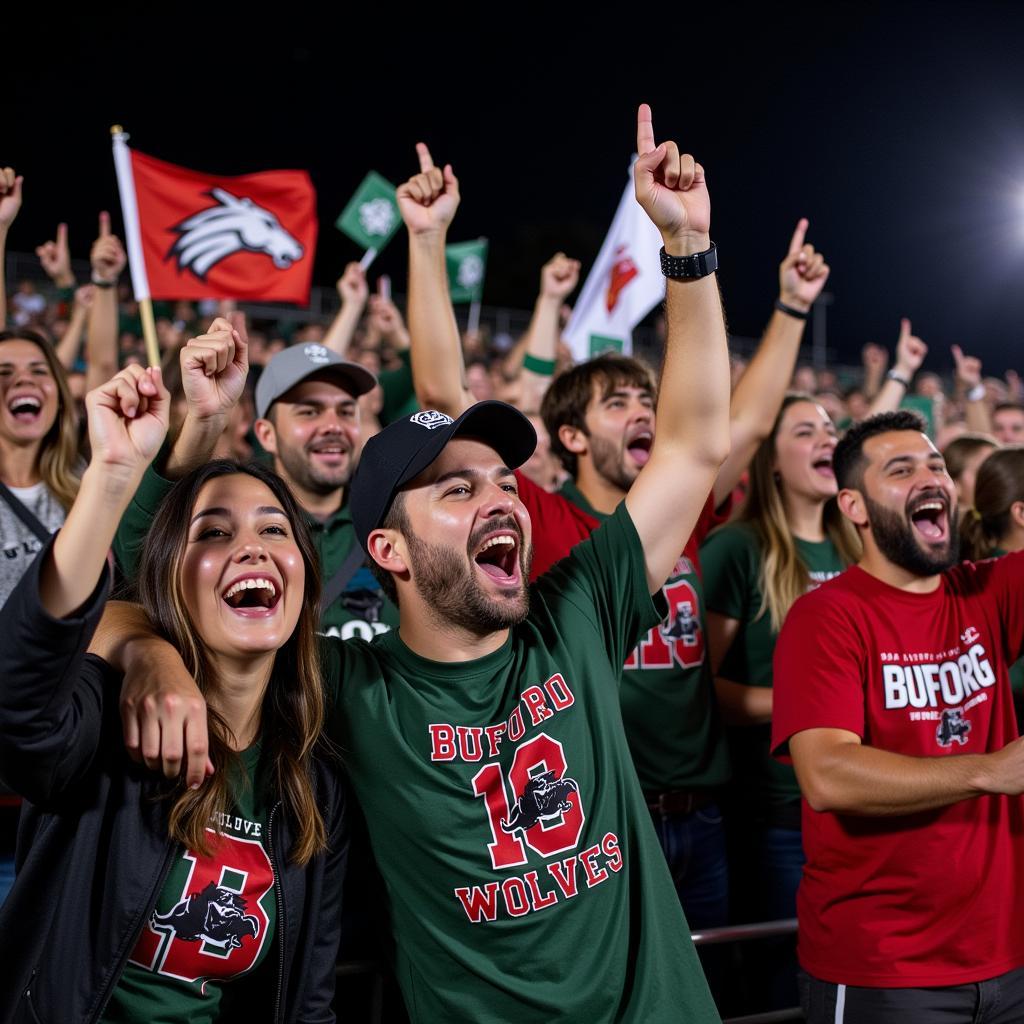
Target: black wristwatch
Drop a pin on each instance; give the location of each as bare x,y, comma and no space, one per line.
690,268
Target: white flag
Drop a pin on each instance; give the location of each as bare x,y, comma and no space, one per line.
623,286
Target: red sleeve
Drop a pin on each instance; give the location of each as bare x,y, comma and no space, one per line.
710,517
558,524
819,670
1005,581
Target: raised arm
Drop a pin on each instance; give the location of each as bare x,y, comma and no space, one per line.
910,353
692,437
70,344
127,425
428,202
558,278
759,394
108,259
352,291
10,204
971,390
213,371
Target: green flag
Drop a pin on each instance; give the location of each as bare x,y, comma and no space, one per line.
467,263
371,217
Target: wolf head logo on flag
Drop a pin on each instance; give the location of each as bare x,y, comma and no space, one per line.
195,235
233,225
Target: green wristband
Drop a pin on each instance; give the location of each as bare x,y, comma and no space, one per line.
541,367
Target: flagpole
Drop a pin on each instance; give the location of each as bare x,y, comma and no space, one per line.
368,257
474,316
133,240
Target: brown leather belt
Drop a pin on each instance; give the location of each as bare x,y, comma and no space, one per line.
680,801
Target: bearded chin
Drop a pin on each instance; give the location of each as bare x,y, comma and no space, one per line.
898,543
449,586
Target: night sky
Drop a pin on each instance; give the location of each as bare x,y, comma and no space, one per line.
899,131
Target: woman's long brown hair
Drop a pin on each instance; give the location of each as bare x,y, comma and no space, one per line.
784,577
58,451
998,486
292,714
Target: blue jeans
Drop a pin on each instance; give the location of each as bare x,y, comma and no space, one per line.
694,846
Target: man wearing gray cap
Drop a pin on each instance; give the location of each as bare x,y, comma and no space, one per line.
308,420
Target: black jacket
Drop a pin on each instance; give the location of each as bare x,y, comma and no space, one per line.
93,849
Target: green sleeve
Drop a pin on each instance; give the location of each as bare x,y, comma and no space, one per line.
135,522
399,393
727,558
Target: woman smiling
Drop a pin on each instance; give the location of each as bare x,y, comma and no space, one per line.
161,902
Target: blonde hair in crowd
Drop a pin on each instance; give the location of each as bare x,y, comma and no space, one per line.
784,577
58,451
998,486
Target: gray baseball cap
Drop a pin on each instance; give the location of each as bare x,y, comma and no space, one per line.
295,364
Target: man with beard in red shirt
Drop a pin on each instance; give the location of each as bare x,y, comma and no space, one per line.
892,697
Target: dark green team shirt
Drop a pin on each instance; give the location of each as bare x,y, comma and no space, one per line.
399,394
200,956
524,877
362,610
731,559
666,690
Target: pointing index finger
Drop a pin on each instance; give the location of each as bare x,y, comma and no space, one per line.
426,160
104,224
796,243
644,130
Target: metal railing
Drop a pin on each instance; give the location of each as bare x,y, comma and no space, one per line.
707,937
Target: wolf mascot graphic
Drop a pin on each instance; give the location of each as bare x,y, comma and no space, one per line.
212,915
543,797
233,225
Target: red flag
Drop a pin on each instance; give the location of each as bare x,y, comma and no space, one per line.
202,236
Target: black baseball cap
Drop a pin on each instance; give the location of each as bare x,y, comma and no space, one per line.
405,448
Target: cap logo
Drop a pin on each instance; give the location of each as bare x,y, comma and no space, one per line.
431,418
316,354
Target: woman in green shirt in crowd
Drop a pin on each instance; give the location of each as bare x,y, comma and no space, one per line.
788,537
994,527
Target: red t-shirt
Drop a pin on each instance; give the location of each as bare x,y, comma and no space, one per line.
924,899
558,525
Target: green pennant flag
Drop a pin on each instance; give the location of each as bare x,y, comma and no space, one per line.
371,217
467,263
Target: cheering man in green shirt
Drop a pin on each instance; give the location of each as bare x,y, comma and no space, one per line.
484,738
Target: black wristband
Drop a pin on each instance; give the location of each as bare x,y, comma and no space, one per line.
690,268
790,311
100,283
899,378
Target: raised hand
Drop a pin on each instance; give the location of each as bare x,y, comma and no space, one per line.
670,187
84,296
803,273
428,200
385,318
214,367
352,286
910,351
56,259
968,368
127,422
10,196
107,257
559,276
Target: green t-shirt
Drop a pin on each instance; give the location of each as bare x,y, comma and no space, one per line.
731,559
524,877
200,956
361,610
667,693
398,391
